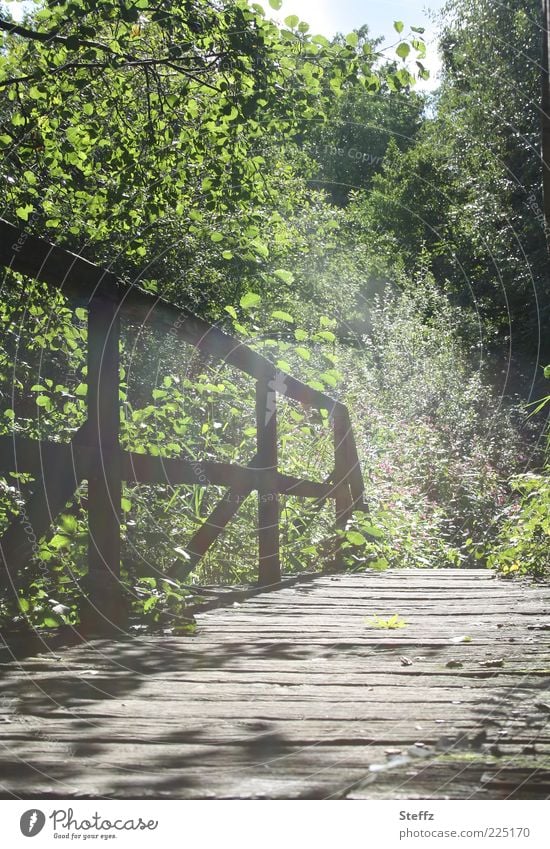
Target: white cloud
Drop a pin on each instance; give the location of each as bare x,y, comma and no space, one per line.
321,15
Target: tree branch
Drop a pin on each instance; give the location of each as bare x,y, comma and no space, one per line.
53,36
16,29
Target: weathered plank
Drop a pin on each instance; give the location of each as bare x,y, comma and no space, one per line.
293,694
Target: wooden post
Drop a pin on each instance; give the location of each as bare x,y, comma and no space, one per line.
268,495
355,476
343,499
104,611
545,78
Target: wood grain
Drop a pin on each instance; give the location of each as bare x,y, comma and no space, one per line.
294,694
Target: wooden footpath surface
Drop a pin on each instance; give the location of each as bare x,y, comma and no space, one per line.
294,694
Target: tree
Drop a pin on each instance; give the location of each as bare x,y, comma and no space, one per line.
469,188
121,111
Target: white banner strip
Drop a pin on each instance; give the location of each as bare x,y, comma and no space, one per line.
254,824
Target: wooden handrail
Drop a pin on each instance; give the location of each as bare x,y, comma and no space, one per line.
81,281
95,454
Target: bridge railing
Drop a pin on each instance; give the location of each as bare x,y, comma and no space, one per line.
94,453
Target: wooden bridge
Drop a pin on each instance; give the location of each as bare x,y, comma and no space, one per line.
294,694
301,692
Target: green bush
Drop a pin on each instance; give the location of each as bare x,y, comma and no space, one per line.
523,543
436,456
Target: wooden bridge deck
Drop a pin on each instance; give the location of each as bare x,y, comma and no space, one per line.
293,694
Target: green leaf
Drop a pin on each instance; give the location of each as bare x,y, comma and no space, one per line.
250,300
292,21
259,248
149,581
81,389
216,237
68,523
380,564
372,530
355,538
547,372
23,212
329,379
150,602
398,26
59,541
352,39
403,50
126,504
276,4
283,365
24,605
282,316
232,312
285,276
540,405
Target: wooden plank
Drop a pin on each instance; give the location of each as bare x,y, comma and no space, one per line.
291,701
355,476
545,111
269,571
142,468
20,454
342,492
104,610
37,258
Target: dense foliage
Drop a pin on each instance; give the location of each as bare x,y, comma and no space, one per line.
382,244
